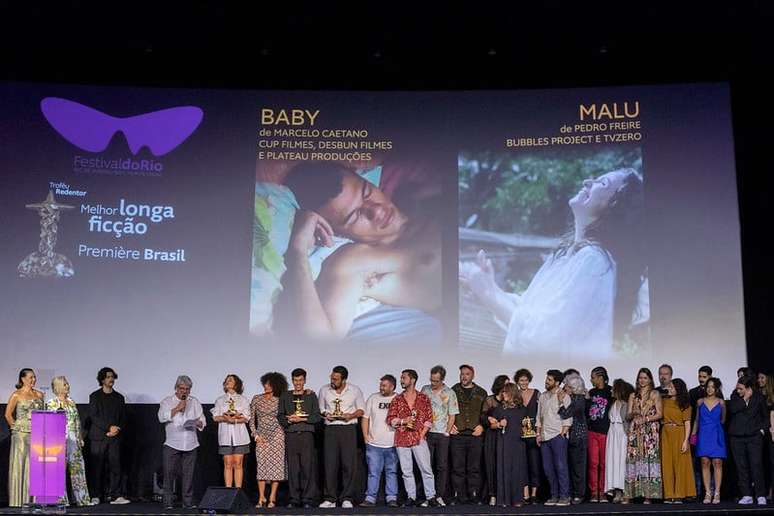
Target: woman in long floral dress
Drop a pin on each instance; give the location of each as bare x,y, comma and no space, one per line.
75,468
269,437
643,454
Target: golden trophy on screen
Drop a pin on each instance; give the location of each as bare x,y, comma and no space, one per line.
299,403
527,430
232,411
337,413
410,423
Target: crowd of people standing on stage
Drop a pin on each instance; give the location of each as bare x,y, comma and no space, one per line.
613,442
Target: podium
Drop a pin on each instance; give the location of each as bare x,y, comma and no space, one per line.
48,457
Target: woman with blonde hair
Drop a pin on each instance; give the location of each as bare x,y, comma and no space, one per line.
74,440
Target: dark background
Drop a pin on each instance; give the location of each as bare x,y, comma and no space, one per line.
438,46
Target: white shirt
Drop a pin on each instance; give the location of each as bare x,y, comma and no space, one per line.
232,434
180,436
380,433
351,400
567,310
549,422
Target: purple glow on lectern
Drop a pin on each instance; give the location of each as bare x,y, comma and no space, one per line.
48,448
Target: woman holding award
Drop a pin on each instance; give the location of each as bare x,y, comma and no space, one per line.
269,437
18,414
230,412
511,448
529,398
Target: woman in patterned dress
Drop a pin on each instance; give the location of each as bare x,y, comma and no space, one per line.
269,437
18,414
77,471
643,453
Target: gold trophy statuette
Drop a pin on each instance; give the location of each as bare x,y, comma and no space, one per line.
232,411
337,413
410,422
527,430
299,402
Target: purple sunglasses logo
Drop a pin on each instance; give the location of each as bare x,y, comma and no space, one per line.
91,130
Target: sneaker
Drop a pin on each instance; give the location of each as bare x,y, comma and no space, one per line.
440,502
189,507
492,501
94,501
577,500
410,502
563,502
327,504
346,504
594,498
424,503
550,501
761,500
746,500
393,504
119,501
368,503
169,507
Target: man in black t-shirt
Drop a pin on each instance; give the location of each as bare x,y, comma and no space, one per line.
597,415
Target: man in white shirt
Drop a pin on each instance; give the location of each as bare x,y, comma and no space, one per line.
341,404
182,416
553,432
380,444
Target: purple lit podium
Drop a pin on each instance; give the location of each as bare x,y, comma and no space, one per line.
48,449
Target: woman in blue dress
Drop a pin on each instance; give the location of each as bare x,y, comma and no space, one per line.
711,439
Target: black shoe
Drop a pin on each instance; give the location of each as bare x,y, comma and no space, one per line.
293,505
433,502
307,505
410,502
393,504
189,507
169,507
475,499
367,503
461,501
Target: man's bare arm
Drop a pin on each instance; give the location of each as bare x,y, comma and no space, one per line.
299,308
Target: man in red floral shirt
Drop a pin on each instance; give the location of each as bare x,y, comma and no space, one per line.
411,414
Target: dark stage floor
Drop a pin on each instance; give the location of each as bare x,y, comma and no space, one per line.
589,509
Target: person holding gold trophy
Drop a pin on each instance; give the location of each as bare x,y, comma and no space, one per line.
230,412
298,413
411,416
341,403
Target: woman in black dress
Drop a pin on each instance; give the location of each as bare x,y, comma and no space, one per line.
511,450
529,397
490,437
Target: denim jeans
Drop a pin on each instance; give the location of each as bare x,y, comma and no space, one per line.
382,459
554,453
422,454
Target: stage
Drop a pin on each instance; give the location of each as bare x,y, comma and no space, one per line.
587,508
